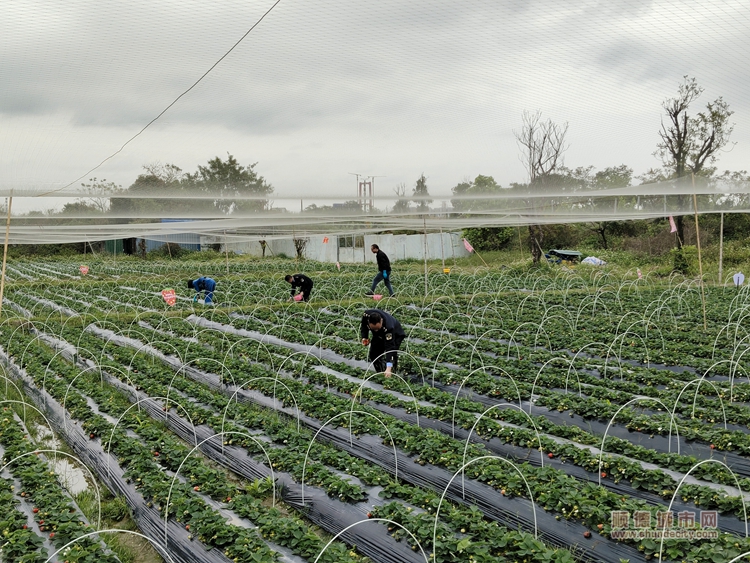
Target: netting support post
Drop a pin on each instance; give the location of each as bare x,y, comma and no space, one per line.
700,262
721,248
442,250
424,222
226,251
5,252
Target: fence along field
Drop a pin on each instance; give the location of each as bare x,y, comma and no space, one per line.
551,415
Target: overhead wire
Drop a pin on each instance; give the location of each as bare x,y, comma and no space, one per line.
126,143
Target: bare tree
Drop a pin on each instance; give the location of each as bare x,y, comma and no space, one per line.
99,193
167,173
689,144
299,247
542,144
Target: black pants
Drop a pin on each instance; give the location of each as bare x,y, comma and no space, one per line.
306,290
377,348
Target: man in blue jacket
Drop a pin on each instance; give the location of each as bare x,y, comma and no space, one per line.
203,284
384,270
387,336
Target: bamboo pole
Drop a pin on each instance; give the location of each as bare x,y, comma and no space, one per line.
520,243
480,257
226,251
442,251
700,262
721,248
5,252
424,222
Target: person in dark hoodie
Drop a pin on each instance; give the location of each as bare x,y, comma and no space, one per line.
203,284
384,270
301,282
387,336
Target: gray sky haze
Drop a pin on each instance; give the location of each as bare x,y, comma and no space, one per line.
323,88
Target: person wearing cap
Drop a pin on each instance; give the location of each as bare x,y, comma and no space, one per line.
384,270
302,283
203,284
387,336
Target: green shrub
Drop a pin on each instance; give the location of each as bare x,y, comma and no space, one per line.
735,253
168,250
489,238
685,260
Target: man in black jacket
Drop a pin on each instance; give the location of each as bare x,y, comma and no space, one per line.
384,270
301,282
387,336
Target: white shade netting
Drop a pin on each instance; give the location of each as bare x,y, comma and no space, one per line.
162,214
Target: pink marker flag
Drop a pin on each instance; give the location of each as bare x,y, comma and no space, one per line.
468,246
169,296
672,226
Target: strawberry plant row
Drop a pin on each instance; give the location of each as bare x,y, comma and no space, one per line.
153,485
54,511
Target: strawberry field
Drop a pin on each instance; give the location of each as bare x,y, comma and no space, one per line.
546,415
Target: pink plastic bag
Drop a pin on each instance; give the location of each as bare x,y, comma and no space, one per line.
298,297
377,297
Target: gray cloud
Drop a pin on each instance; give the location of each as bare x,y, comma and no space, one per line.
394,87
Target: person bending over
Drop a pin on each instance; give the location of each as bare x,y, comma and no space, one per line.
203,285
386,339
302,283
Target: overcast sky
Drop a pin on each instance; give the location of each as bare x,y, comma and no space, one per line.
324,88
